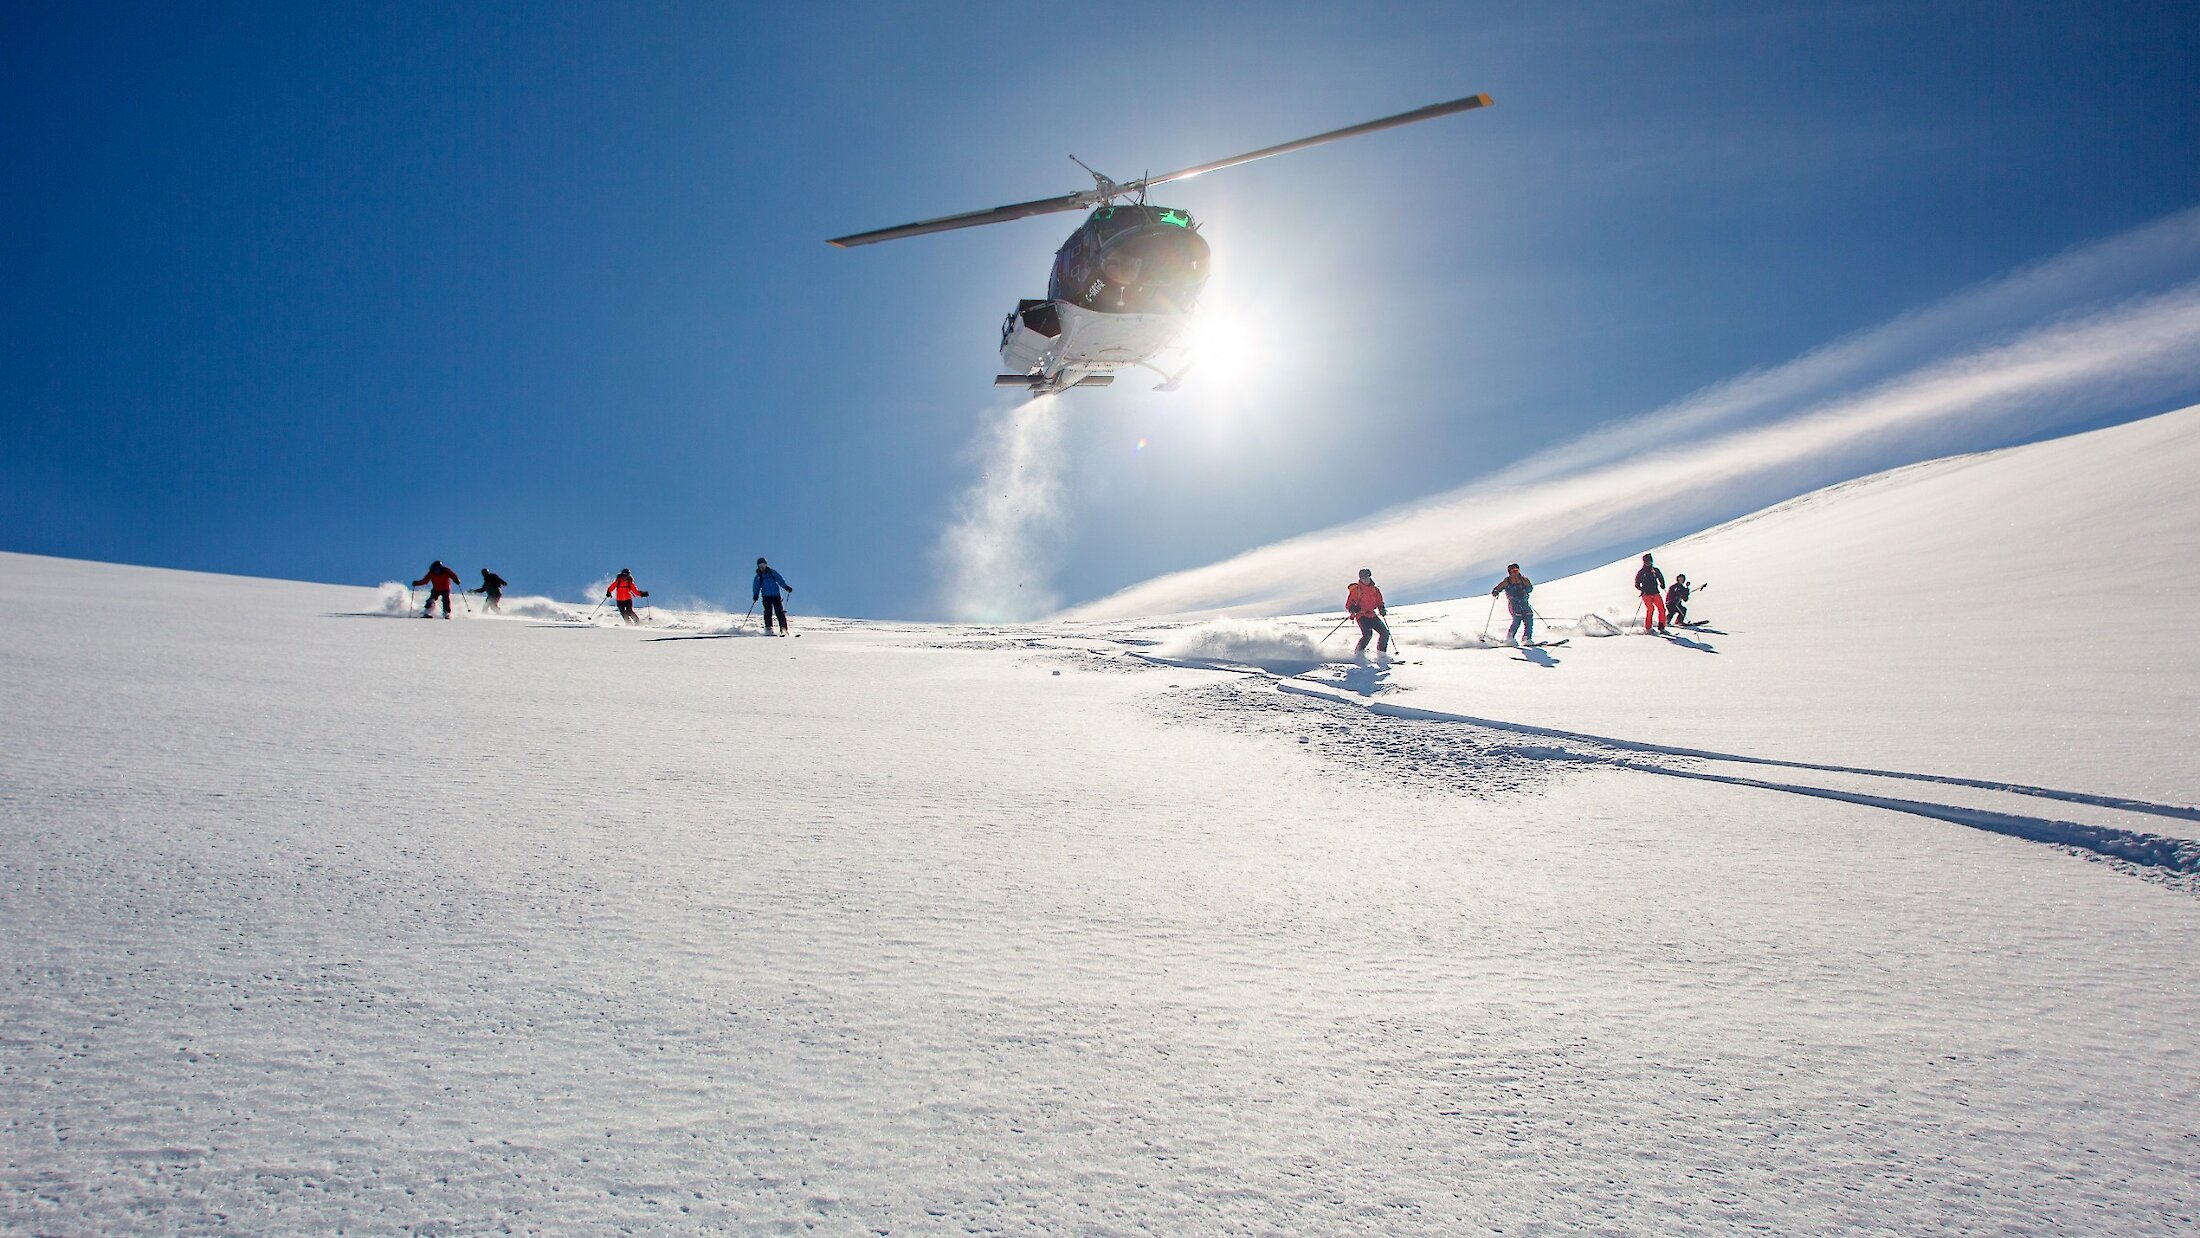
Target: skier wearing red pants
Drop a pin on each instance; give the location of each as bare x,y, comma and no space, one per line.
1650,583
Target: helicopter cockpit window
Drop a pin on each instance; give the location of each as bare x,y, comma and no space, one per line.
1155,272
1122,268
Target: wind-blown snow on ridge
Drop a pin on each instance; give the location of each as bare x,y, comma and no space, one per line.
2110,326
2028,614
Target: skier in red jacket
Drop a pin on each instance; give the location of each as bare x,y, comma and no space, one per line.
1364,601
623,592
439,581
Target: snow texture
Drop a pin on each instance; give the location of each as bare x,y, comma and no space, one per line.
1868,909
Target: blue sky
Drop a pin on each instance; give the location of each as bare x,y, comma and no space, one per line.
324,292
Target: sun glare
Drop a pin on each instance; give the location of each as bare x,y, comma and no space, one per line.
1223,348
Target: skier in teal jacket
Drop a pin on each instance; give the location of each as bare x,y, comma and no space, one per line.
768,586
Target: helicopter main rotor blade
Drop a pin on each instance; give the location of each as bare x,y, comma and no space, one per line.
1108,191
1430,112
972,219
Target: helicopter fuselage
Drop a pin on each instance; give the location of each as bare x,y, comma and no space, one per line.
1122,288
1125,282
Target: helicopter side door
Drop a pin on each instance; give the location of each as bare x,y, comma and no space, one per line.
1076,276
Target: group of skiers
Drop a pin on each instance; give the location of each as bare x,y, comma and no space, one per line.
439,580
768,587
1662,605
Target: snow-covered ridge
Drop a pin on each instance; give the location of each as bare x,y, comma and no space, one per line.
1870,907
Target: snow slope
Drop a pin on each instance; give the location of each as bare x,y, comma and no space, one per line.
317,919
2030,614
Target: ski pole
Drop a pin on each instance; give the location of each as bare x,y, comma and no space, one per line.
1488,618
591,618
1333,631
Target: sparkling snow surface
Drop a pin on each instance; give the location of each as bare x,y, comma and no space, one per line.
318,919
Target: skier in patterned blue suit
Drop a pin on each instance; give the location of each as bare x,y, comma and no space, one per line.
1516,589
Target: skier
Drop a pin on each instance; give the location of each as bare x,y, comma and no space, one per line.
1364,602
1676,599
1516,589
1650,583
623,592
492,589
767,587
439,581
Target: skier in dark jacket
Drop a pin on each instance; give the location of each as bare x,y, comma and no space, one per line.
439,581
1650,583
1676,599
624,592
766,588
1516,589
492,590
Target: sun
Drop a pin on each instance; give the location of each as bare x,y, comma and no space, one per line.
1222,347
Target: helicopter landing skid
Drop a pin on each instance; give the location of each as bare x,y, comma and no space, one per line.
1039,384
1172,382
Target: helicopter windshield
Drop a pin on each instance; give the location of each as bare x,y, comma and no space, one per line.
1155,271
1132,260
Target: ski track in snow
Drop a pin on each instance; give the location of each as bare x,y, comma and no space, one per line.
1480,756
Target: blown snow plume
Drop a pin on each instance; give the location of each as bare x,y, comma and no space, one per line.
2110,329
999,551
1250,642
394,598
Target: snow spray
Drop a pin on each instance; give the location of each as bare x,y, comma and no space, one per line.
1001,546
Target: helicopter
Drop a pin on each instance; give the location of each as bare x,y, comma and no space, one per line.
1125,283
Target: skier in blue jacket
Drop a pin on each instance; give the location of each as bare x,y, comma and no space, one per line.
769,585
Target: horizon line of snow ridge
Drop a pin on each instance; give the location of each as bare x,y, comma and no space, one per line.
2054,346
